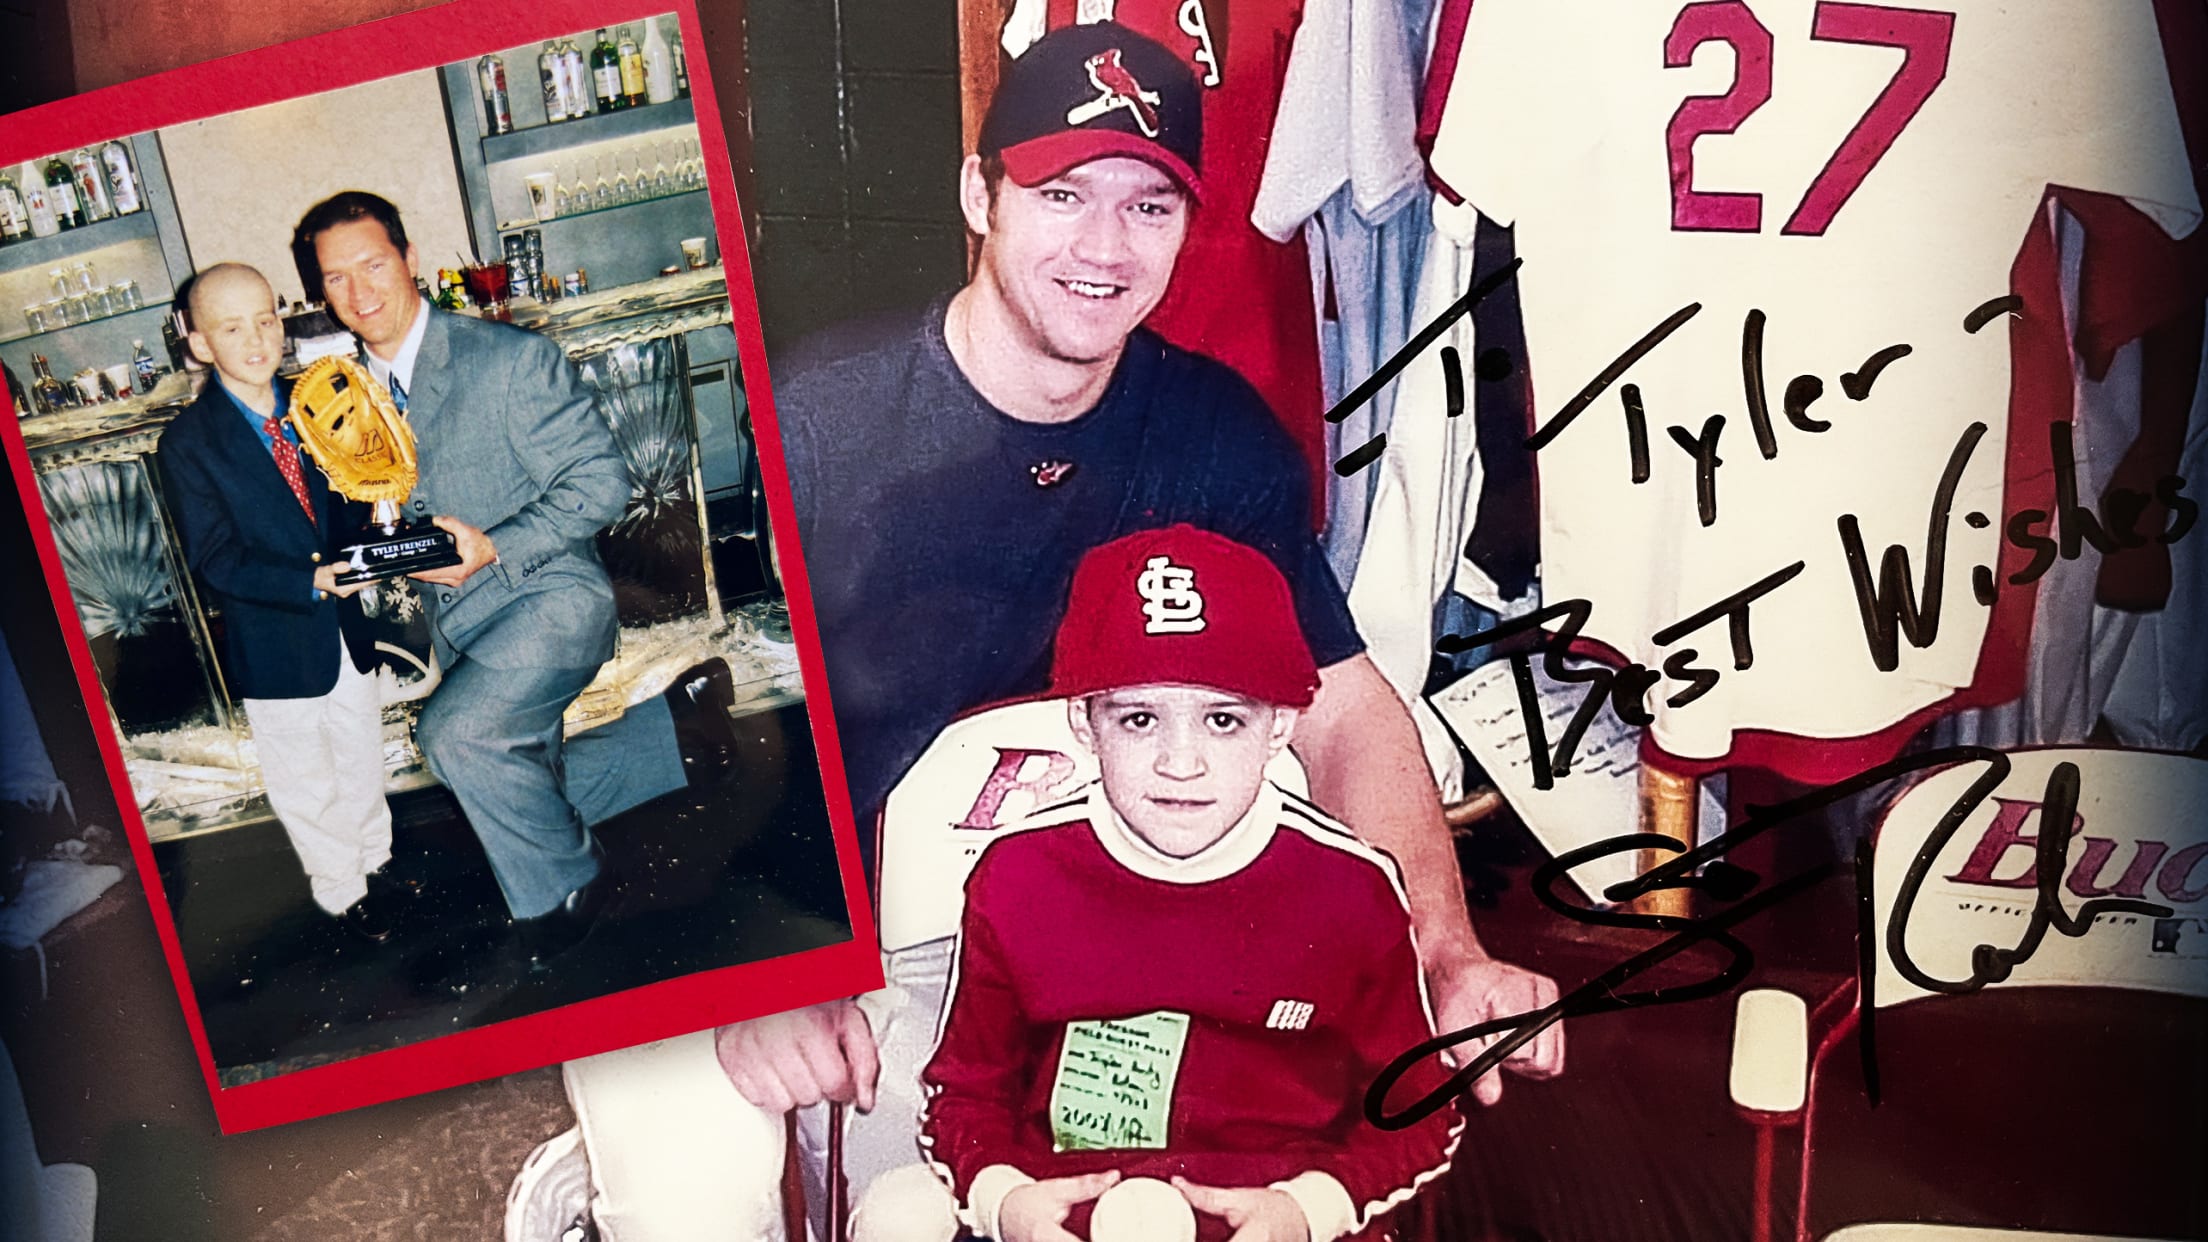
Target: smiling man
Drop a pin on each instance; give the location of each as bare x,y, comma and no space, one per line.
517,462
951,467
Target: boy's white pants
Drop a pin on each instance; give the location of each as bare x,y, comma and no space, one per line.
678,1155
323,761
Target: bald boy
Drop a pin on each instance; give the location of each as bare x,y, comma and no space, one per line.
257,521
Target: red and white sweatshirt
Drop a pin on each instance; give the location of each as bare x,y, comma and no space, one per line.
1287,943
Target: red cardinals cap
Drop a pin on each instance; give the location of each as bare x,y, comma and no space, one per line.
1093,91
1182,606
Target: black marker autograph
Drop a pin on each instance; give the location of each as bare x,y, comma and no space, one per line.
1452,370
1727,882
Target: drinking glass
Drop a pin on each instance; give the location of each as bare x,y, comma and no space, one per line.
487,285
663,182
602,193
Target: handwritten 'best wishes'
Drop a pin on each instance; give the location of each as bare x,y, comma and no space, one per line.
1891,607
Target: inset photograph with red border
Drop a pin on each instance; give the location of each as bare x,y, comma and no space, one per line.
390,409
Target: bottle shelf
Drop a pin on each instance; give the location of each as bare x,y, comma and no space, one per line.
515,226
69,243
17,334
558,136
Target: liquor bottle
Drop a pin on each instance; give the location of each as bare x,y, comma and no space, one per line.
91,183
142,367
498,110
40,205
605,75
61,192
682,69
632,69
15,215
122,179
577,80
172,340
659,65
47,393
548,80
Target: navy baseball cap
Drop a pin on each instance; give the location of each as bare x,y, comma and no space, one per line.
1090,92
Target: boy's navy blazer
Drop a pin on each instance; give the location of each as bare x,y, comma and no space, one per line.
252,548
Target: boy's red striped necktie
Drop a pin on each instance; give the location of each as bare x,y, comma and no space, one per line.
287,462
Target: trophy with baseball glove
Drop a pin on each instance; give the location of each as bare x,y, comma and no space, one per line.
348,423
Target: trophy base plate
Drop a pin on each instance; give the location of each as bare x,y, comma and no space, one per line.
407,549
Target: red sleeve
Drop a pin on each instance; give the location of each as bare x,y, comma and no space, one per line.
1381,1168
984,1059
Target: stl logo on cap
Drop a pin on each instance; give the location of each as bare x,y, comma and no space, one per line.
1116,87
1170,599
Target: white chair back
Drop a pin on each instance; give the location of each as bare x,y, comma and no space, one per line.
2140,832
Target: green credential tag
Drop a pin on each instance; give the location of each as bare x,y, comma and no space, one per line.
1114,1087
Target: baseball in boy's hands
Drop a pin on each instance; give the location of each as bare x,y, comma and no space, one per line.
1037,1211
325,580
905,1204
1257,1214
1143,1209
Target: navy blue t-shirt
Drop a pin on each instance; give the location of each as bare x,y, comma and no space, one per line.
940,569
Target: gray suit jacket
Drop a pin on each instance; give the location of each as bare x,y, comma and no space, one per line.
511,442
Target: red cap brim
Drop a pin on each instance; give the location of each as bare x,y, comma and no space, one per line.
1037,160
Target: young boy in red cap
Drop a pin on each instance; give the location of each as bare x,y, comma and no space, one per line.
1183,973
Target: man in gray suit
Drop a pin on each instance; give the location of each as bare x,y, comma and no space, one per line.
517,462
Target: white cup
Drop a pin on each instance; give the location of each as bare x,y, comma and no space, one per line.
119,375
693,252
541,194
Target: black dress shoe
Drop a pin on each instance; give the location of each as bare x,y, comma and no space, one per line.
700,700
368,919
555,932
388,885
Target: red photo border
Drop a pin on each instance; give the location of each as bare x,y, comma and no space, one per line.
461,31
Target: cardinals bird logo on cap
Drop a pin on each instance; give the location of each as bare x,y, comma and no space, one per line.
1116,88
1169,598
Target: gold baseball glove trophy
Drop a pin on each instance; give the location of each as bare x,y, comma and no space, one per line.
348,423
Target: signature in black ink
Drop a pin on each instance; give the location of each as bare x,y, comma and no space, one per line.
1705,869
1624,689
1989,964
1452,371
2116,526
1801,393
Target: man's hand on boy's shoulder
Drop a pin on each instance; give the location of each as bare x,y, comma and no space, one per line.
325,581
802,1056
1256,1213
1472,988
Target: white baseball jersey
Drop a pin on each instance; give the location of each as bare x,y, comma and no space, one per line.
1863,175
